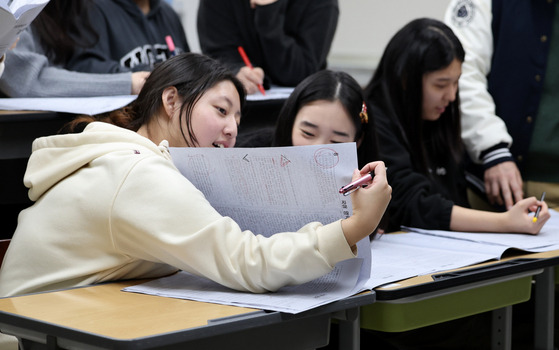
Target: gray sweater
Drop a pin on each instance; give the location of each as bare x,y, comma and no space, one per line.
28,73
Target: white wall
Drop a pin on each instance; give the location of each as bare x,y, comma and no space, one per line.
364,27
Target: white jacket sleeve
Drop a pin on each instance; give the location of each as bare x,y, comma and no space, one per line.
482,129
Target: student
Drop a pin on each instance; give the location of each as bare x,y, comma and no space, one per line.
509,95
38,65
131,36
413,95
111,205
286,40
327,107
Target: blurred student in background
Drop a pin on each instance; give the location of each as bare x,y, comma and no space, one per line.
413,95
130,35
101,191
508,94
38,65
285,40
327,107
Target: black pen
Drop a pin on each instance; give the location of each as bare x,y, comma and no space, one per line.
535,219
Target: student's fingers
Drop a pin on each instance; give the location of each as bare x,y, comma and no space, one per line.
503,184
378,168
493,191
250,78
254,75
543,216
258,75
250,87
254,3
506,195
521,218
138,80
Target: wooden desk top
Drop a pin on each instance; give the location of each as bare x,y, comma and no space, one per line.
88,309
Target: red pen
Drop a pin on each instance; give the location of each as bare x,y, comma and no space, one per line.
355,185
249,65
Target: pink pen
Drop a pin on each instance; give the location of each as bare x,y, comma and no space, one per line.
355,185
170,45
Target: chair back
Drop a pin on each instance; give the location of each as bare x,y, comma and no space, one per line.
4,243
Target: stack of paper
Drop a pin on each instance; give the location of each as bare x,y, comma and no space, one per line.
15,16
269,190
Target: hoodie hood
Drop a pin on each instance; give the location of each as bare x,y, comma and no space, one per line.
55,157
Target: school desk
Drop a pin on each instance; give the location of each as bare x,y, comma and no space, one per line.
493,286
102,316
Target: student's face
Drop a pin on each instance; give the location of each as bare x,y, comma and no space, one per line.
439,89
216,115
322,122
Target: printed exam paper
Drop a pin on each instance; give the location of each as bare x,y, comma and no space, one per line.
270,190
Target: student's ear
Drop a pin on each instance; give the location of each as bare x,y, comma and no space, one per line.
171,101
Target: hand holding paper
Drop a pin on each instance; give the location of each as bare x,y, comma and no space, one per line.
15,16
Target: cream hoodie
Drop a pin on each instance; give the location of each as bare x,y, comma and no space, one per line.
110,204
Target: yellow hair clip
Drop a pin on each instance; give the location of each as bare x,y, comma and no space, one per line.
363,115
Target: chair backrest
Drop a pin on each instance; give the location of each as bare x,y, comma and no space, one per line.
4,243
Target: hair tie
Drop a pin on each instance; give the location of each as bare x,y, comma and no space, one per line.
363,115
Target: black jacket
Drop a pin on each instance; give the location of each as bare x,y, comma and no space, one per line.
418,200
289,39
128,39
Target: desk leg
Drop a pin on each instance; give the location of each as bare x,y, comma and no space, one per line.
349,329
501,329
544,309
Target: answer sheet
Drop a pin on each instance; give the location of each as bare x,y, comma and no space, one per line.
74,105
270,190
274,93
546,240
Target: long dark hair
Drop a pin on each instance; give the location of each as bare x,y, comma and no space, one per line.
192,74
64,25
329,86
423,45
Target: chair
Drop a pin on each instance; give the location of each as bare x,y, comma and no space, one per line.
4,243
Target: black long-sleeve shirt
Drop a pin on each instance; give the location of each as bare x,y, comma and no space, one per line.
288,39
418,200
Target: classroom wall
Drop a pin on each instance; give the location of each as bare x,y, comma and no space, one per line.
364,28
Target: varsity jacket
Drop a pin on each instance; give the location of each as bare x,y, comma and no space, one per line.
507,45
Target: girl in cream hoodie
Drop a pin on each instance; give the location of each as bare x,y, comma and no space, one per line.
110,204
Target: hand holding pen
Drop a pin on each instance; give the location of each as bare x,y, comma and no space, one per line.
520,218
370,202
250,77
353,186
535,219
